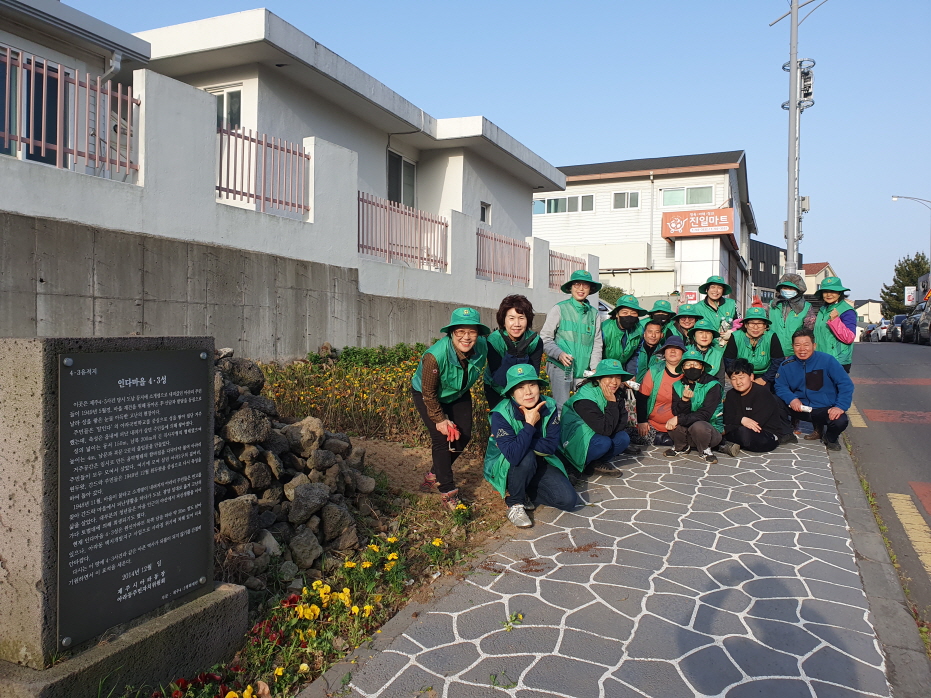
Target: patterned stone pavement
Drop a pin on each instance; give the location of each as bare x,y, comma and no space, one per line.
679,579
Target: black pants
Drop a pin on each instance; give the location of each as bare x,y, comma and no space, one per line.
541,482
750,440
830,428
459,412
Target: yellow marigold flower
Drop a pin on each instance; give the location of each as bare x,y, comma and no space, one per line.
354,610
316,585
231,694
312,612
304,591
248,693
377,598
303,669
438,542
349,564
312,633
392,539
374,548
461,506
366,564
389,566
368,608
346,591
279,671
392,556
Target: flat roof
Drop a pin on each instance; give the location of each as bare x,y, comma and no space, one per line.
733,158
260,36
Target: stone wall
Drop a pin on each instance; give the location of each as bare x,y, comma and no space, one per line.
59,278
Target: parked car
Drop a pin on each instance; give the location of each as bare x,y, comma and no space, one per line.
866,332
910,324
895,330
882,329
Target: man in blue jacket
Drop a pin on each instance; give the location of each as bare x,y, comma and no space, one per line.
815,387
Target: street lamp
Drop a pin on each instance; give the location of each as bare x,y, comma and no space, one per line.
924,202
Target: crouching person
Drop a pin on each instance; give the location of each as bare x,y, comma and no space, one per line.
816,387
595,420
521,461
696,408
754,419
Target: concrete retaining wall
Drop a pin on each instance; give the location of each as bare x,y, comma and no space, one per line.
66,279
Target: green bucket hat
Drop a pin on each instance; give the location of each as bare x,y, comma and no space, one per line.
521,373
688,310
611,367
757,314
629,302
466,316
719,280
661,306
695,355
580,275
704,325
789,284
831,283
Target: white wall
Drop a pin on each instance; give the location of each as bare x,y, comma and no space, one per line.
509,198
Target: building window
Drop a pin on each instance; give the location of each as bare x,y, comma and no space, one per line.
229,106
485,213
33,105
627,199
774,269
688,196
401,178
761,266
567,204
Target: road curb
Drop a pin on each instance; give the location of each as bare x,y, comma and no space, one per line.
908,668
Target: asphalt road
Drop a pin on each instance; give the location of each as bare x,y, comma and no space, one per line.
893,393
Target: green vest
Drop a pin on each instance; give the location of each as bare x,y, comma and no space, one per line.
575,335
758,356
451,376
656,359
699,391
613,345
576,434
657,371
726,311
496,339
714,355
826,340
496,465
784,328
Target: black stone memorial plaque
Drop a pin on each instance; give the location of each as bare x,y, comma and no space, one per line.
135,516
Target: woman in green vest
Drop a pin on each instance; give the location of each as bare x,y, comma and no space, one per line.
683,322
836,324
520,460
511,344
756,343
572,336
697,408
594,420
440,389
789,310
718,310
623,331
701,338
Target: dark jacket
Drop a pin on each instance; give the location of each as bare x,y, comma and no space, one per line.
776,356
760,405
607,423
514,446
498,365
818,382
683,408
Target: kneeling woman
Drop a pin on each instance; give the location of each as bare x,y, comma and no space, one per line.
440,389
696,407
521,461
595,420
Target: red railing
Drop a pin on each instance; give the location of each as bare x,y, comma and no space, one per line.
562,266
402,235
502,259
262,170
49,114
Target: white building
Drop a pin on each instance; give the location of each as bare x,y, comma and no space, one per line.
262,152
660,226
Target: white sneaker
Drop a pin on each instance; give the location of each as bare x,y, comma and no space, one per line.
518,517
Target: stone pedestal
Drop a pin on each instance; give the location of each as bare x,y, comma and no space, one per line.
29,542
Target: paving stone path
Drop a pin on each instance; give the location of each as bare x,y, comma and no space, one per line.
679,579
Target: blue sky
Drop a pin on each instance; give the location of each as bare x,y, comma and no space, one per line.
598,81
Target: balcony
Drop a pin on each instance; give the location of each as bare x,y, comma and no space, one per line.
398,234
562,266
50,114
502,259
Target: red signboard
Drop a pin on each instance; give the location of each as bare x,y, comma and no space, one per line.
713,222
691,296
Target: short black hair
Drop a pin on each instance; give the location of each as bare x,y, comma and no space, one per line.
519,303
803,332
661,325
741,365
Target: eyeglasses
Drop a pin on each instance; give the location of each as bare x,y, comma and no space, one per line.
465,334
755,323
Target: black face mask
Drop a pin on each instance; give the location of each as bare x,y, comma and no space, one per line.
692,374
628,322
661,317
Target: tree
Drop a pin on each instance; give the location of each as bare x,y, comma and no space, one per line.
610,294
907,271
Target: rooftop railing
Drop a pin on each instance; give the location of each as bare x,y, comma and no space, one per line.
502,259
562,266
400,234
